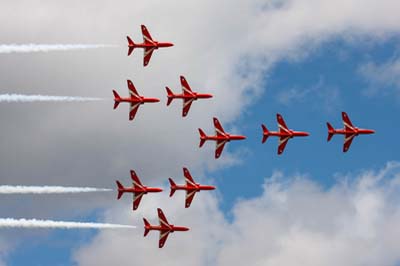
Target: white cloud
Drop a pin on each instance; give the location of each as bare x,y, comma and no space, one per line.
319,95
383,78
294,221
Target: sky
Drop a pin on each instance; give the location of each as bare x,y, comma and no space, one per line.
308,60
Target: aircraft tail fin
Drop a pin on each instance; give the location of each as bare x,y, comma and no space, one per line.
146,226
173,187
170,96
265,133
120,187
116,99
202,137
131,45
331,131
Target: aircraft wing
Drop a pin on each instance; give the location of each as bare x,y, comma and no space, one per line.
188,178
348,139
133,109
346,121
186,106
281,124
147,55
146,35
219,148
136,180
136,199
219,130
162,219
132,90
282,144
189,197
163,238
185,86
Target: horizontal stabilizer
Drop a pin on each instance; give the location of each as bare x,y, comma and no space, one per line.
265,133
331,131
173,187
170,96
202,137
146,227
120,188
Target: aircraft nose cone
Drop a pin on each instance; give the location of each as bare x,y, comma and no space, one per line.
185,229
159,190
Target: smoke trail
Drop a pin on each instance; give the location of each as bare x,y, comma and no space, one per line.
9,98
48,190
29,48
33,223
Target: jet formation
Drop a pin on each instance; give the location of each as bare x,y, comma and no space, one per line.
221,137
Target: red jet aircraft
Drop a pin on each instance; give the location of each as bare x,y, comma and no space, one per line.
148,44
191,187
284,133
137,189
135,100
349,131
221,137
187,95
165,228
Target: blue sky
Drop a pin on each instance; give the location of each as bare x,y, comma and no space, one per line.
333,66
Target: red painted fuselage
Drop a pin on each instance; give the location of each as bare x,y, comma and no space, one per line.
140,100
194,96
290,133
154,45
144,190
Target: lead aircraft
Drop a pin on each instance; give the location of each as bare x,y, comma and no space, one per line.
220,138
137,189
134,99
191,187
349,131
187,95
148,44
284,133
165,228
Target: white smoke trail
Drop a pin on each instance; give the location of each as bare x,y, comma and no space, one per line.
48,190
29,48
33,223
43,98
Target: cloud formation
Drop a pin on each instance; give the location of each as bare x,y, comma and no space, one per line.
383,78
295,220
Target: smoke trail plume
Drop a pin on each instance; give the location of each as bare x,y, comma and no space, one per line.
48,190
14,98
33,223
29,48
